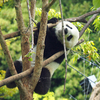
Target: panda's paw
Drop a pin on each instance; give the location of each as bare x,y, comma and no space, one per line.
53,20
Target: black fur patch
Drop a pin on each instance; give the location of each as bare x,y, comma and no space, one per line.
69,38
44,83
66,30
69,26
18,66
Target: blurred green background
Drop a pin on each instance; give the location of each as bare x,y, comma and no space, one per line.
90,49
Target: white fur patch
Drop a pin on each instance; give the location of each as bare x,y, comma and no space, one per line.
52,67
33,56
72,30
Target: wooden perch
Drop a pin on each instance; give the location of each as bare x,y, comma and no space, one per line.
74,19
29,71
95,95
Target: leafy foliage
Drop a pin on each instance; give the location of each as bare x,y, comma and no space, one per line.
51,13
2,2
76,9
72,8
96,3
96,23
48,96
89,49
4,91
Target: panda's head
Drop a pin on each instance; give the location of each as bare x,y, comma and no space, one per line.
71,34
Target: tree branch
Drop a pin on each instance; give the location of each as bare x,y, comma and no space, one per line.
65,52
25,46
40,45
11,35
82,18
50,4
87,24
95,95
29,71
33,5
75,19
8,57
30,23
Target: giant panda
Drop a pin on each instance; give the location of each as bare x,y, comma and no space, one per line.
53,44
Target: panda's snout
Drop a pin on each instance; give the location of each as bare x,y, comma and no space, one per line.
66,30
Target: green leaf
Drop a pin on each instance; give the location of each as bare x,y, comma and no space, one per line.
96,3
30,59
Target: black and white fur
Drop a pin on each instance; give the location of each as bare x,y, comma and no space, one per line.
53,44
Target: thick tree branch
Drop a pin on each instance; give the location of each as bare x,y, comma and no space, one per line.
40,45
12,35
82,18
33,5
25,46
8,57
7,54
95,95
75,19
29,71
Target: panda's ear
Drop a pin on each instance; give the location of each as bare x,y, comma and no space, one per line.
76,27
38,27
53,20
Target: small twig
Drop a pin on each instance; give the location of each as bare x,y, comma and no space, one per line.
65,52
82,17
80,41
50,4
30,22
97,62
34,21
87,24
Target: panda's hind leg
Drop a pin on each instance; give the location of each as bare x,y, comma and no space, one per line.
18,66
44,83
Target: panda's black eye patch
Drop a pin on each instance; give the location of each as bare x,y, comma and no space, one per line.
68,26
66,31
69,38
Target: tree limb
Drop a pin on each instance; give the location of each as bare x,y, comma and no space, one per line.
50,4
75,19
8,57
95,95
33,5
87,24
82,18
25,46
29,71
40,45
